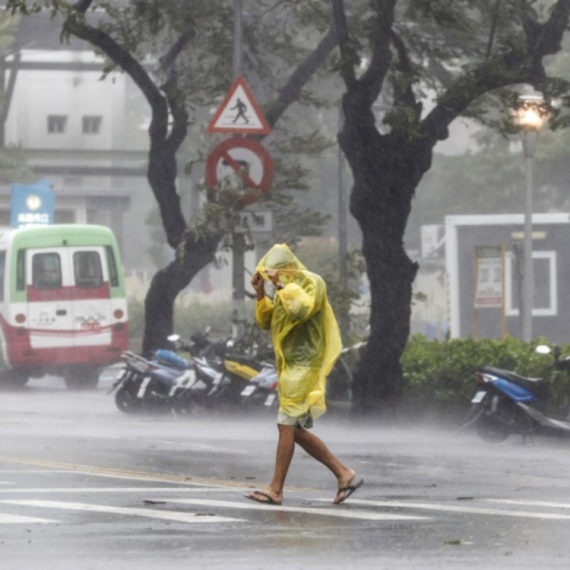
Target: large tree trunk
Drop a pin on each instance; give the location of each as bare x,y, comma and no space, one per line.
198,253
165,287
387,169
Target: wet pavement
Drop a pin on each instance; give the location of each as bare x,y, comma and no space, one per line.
83,486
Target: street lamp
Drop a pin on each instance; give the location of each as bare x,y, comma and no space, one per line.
530,116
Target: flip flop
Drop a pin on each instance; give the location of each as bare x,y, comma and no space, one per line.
269,500
348,490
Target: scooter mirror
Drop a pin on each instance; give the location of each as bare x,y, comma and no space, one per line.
543,349
173,337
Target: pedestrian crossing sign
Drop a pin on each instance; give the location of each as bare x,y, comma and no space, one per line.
239,113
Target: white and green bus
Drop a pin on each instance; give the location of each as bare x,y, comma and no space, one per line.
63,309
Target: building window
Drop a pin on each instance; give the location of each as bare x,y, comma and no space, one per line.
92,124
545,302
56,123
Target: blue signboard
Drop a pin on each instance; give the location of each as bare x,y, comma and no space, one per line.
31,205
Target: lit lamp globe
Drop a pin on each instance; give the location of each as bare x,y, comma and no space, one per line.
530,116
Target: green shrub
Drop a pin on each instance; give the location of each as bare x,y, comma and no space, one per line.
439,376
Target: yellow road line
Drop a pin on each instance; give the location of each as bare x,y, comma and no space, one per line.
91,469
124,472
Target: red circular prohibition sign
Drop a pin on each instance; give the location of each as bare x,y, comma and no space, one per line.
231,156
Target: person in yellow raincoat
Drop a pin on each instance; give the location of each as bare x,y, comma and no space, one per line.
306,340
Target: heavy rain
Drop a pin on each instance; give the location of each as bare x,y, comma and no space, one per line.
282,284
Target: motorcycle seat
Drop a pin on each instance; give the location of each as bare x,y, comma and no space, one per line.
535,385
170,358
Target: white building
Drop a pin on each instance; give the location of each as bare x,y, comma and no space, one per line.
84,134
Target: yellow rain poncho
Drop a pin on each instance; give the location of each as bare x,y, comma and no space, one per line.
304,331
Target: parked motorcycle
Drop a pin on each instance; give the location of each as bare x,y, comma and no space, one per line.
507,403
147,385
262,389
220,380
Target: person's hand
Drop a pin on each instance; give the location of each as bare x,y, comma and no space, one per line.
259,286
273,275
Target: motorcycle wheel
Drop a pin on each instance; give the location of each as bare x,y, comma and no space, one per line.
187,405
491,430
127,401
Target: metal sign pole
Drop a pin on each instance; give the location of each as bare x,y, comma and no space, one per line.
238,241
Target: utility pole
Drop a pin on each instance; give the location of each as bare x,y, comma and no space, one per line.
344,322
238,239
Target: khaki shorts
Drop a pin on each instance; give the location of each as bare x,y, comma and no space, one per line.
300,422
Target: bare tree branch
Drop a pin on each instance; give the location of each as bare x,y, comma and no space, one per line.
82,5
339,14
373,79
548,40
502,70
168,59
79,28
175,100
9,93
290,92
403,95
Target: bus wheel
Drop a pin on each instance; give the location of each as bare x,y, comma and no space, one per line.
16,378
82,378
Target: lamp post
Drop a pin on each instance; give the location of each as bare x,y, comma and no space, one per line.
530,116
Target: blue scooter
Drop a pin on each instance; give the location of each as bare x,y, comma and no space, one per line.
147,385
507,403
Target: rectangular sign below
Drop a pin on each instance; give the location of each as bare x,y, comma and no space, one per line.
253,222
489,284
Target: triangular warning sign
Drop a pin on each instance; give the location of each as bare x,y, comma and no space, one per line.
239,113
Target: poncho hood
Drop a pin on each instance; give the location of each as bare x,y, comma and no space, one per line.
280,257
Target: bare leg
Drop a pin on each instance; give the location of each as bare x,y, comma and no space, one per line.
285,449
316,448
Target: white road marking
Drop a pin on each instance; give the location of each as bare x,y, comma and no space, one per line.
147,513
530,503
10,519
7,483
332,512
457,509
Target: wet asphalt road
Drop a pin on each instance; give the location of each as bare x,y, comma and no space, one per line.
83,486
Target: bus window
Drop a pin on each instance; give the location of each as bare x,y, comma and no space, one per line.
21,271
113,275
87,269
2,266
46,271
